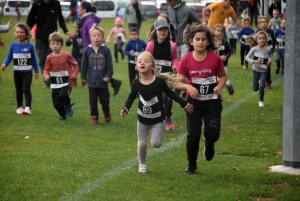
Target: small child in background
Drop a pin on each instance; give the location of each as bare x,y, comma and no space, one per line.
224,51
261,62
61,69
133,48
164,52
149,89
24,61
275,22
99,71
244,15
245,47
232,32
119,38
77,48
279,53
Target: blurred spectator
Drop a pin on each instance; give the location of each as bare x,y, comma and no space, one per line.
253,8
275,5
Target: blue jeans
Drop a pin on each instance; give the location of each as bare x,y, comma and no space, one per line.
168,103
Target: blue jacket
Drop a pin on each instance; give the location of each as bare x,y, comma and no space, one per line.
96,65
246,32
137,46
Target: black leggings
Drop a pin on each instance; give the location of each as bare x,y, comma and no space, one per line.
61,99
133,73
244,51
22,84
101,94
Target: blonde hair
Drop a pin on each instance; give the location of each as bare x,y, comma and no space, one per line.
56,37
217,26
262,17
96,27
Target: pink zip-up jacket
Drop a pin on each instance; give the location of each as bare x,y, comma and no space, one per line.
174,55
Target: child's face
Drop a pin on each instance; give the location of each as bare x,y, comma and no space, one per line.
162,33
20,34
117,24
96,37
55,46
134,35
145,64
282,25
81,10
245,12
217,41
261,40
263,23
275,14
218,31
247,24
199,42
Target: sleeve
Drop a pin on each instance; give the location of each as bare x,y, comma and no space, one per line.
173,95
47,67
34,60
61,18
127,49
270,56
174,55
275,42
32,15
86,40
240,35
212,6
109,65
227,49
125,12
150,47
9,55
74,67
4,28
249,55
193,17
84,65
227,30
131,97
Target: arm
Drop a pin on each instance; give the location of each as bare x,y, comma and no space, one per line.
31,16
61,19
34,60
174,55
227,49
166,89
109,35
193,17
181,85
127,49
84,66
47,69
109,71
249,55
131,97
236,21
205,9
150,47
9,56
74,67
275,42
68,42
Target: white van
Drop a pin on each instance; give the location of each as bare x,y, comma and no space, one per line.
106,8
9,8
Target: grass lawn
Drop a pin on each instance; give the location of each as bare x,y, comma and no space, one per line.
74,160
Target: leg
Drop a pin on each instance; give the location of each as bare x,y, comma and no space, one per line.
43,50
19,88
116,84
132,25
119,49
282,61
157,132
242,52
234,45
277,61
142,134
27,80
93,96
104,99
116,53
262,78
255,80
168,103
58,104
131,72
247,49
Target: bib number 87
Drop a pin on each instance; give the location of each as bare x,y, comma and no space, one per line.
204,89
147,110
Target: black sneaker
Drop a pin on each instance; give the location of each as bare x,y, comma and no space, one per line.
62,118
190,170
209,152
116,86
277,70
122,55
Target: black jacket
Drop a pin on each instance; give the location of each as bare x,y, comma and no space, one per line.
45,16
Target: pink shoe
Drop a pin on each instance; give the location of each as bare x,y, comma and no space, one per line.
169,124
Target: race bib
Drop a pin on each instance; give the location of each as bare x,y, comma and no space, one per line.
205,87
59,79
163,66
281,43
221,50
149,109
234,33
133,58
263,59
22,61
121,37
269,43
243,39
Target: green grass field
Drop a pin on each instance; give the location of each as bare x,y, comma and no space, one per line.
74,160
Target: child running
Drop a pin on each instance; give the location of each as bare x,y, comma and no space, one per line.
275,22
24,60
202,68
119,38
224,51
232,32
279,54
164,52
149,88
61,69
245,46
133,48
98,68
261,62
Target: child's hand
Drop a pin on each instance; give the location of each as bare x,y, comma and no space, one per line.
123,113
131,52
46,78
81,50
192,91
189,108
218,90
276,48
36,76
83,82
72,82
268,63
174,68
107,41
256,62
3,67
224,58
106,80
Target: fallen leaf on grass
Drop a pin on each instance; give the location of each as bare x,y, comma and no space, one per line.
244,139
27,137
171,187
235,168
231,146
174,139
279,153
181,126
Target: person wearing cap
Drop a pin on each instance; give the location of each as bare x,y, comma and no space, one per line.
119,38
164,52
134,13
181,15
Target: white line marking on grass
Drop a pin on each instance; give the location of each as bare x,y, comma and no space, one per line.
98,182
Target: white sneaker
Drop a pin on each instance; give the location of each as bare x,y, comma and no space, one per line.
20,110
143,168
261,104
27,111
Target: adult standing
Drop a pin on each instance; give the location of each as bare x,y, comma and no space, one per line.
180,16
135,14
273,6
253,8
218,12
45,13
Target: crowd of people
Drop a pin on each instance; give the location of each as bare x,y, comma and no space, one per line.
181,55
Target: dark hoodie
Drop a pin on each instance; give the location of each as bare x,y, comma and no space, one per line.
87,21
45,16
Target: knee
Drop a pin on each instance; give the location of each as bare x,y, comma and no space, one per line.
142,145
156,144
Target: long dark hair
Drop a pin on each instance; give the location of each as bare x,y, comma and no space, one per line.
88,7
190,32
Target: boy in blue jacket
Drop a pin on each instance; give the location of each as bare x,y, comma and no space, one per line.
133,48
97,70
